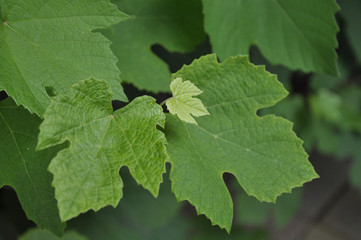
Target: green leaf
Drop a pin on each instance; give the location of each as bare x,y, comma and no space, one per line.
50,43
263,153
86,175
350,11
26,170
38,234
182,102
297,34
177,25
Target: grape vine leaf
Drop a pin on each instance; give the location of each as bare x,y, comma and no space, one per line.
50,43
176,24
263,153
26,170
86,175
182,102
297,34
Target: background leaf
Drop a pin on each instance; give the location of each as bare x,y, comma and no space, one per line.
50,43
350,11
177,25
299,34
26,170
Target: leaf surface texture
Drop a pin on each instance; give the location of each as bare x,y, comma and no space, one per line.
86,175
51,44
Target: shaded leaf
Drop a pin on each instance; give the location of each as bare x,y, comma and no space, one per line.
177,25
298,34
350,11
26,170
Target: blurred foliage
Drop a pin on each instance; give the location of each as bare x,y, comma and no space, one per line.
39,234
350,11
255,213
326,111
140,216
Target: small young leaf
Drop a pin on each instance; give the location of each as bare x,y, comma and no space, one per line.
263,153
51,43
86,175
183,104
26,170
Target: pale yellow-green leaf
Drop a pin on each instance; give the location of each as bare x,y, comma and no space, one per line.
183,104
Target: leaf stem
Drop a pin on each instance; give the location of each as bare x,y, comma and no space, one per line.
162,103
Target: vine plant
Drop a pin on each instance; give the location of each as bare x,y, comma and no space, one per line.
61,64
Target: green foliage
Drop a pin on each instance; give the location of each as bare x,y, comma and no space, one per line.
138,216
24,169
47,46
327,106
298,34
253,212
350,11
50,43
38,234
86,175
236,235
182,102
176,24
263,154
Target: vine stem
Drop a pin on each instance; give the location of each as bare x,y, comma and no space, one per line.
162,103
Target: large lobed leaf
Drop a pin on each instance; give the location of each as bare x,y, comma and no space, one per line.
50,43
300,34
26,170
175,24
263,153
86,175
